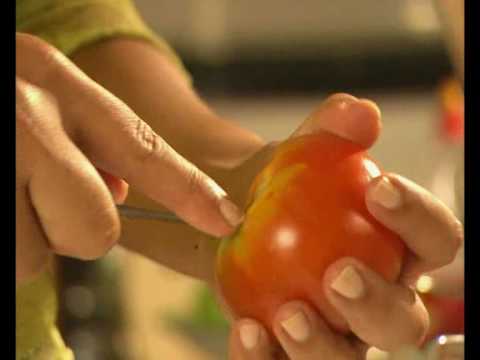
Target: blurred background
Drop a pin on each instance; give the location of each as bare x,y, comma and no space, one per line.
267,64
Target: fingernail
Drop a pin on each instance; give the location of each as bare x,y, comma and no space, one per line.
385,194
249,334
231,212
297,327
349,283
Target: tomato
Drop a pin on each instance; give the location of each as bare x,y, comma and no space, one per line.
307,210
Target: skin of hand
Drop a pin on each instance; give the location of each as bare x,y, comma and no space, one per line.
379,314
67,127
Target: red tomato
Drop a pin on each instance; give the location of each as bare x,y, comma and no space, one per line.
308,210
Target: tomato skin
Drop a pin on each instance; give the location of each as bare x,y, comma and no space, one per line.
308,210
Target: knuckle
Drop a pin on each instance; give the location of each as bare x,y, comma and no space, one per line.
36,114
189,194
24,94
420,324
412,322
339,98
29,97
32,51
435,223
451,243
24,41
419,331
444,256
149,143
337,102
104,234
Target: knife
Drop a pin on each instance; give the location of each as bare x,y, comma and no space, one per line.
131,212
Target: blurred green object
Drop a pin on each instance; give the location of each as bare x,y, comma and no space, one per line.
206,312
205,325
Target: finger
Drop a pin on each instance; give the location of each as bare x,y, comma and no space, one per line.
152,166
304,335
119,142
74,206
147,162
249,341
72,203
31,246
429,228
118,187
357,120
380,313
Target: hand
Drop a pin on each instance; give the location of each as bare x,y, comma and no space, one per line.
67,127
378,313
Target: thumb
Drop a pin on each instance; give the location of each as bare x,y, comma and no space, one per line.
357,120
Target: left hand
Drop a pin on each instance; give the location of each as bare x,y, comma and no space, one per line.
379,313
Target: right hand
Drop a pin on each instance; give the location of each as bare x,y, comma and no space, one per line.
378,313
71,132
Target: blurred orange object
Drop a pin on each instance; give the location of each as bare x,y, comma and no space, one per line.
452,111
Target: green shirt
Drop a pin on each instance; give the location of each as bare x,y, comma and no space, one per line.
37,336
71,24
